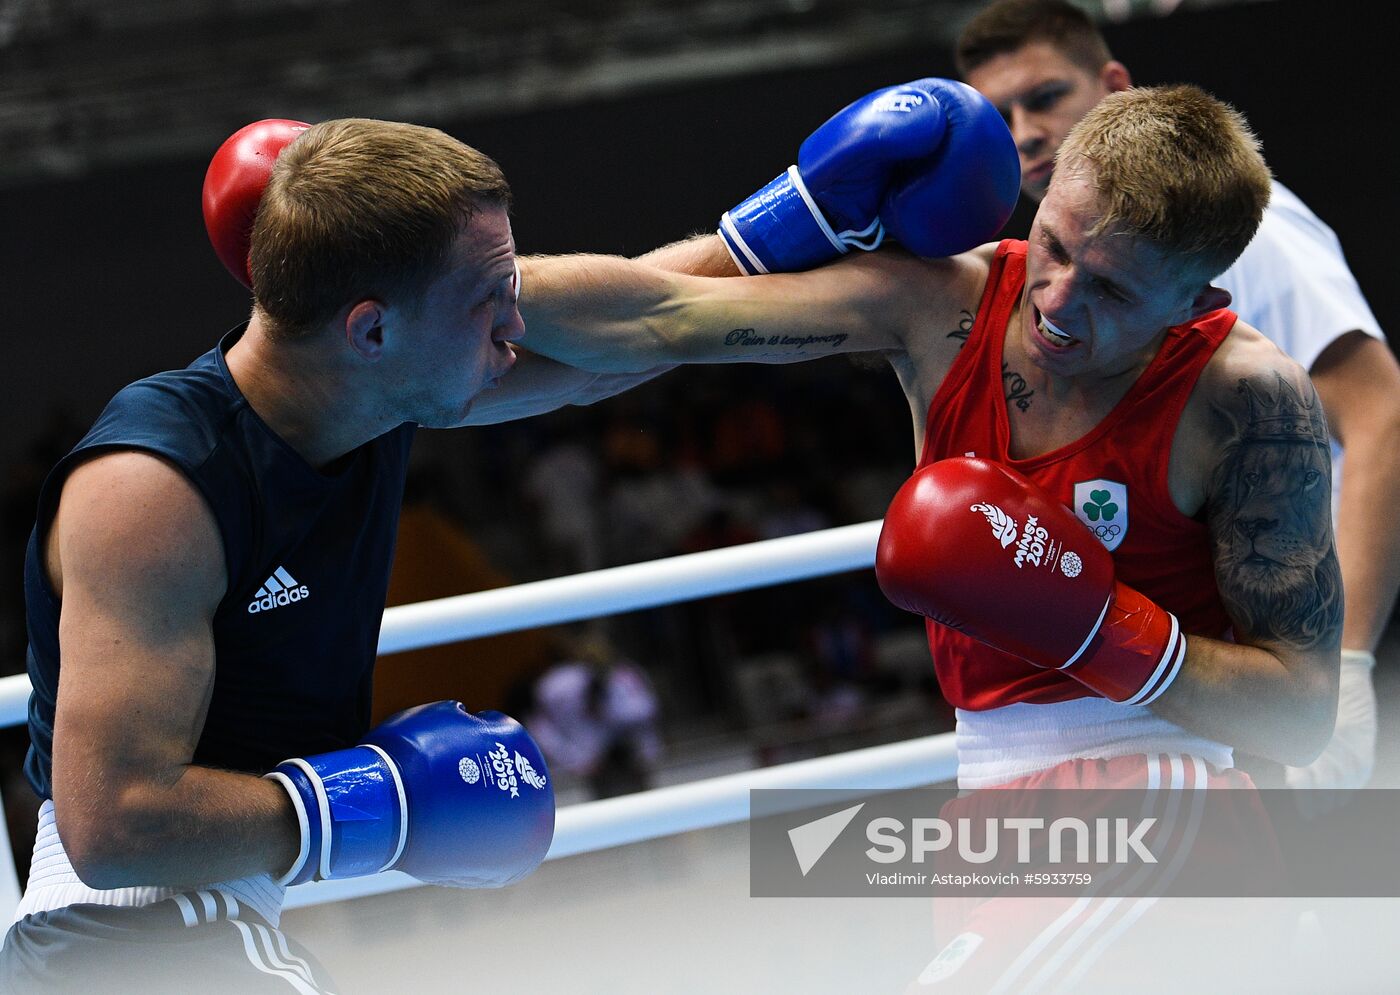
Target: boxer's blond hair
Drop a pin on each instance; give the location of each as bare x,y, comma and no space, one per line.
358,208
1176,166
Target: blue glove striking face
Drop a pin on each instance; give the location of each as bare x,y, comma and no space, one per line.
930,162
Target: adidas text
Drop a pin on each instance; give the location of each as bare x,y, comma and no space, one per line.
278,600
278,591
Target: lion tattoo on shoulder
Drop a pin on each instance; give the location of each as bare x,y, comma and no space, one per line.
1272,522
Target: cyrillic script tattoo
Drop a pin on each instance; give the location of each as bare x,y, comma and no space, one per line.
1016,392
964,329
1275,558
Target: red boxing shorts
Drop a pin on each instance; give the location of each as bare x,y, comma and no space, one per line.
1139,937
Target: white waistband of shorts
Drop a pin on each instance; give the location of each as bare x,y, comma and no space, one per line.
53,884
1003,744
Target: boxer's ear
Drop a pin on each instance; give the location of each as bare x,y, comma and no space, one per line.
364,329
1114,77
1210,298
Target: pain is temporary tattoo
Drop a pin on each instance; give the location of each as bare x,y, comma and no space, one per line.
751,337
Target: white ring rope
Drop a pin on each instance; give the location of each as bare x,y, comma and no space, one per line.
623,589
590,595
663,811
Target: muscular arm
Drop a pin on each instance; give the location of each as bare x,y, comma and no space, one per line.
1358,380
700,255
137,558
609,314
538,384
1273,692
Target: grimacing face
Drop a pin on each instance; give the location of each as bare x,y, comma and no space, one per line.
1096,304
1042,95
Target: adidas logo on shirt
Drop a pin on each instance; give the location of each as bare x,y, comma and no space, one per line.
277,591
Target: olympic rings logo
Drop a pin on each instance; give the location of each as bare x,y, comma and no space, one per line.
1106,533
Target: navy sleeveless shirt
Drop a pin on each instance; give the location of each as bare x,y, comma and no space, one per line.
308,557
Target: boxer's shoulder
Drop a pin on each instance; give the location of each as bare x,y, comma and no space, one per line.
1209,421
1249,378
935,304
1245,350
1246,369
134,514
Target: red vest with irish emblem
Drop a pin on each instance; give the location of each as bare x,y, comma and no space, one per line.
1114,478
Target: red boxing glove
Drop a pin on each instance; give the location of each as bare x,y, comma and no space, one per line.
234,185
978,547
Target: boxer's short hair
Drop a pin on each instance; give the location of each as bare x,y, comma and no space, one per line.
1176,166
1008,25
358,208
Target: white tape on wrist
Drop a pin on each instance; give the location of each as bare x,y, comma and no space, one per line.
323,805
1349,758
304,850
1355,657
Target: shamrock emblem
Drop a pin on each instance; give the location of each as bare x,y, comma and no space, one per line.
1099,505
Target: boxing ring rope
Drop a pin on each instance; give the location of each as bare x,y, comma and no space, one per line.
590,595
665,811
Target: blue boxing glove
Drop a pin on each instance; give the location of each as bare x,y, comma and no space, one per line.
436,792
879,166
960,196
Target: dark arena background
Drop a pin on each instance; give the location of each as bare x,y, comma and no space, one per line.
621,126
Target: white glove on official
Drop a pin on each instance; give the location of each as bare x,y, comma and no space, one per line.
1350,756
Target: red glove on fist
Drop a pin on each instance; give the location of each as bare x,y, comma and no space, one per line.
978,547
234,185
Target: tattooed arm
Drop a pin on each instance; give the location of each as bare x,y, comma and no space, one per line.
608,314
1273,691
